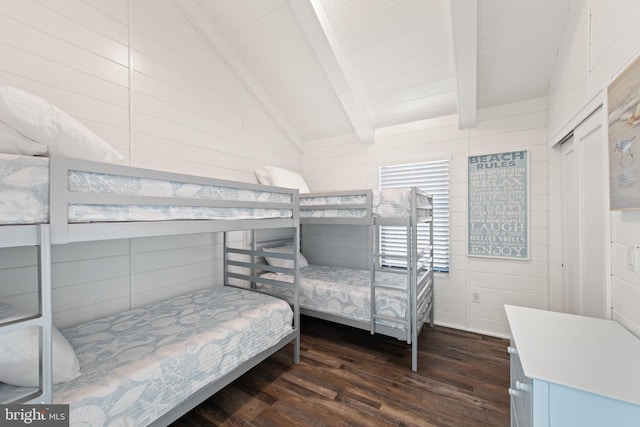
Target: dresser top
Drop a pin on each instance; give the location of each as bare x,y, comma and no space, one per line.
594,355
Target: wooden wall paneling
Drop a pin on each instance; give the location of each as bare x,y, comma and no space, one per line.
186,150
625,283
89,279
340,246
86,270
612,30
168,112
569,86
31,40
86,313
624,299
202,104
95,293
169,266
116,9
56,24
19,284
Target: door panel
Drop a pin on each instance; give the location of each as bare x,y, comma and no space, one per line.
570,227
585,219
594,210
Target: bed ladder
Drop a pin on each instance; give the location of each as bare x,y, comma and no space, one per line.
377,254
35,235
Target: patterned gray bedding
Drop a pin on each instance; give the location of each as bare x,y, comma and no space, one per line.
139,364
24,196
387,203
24,189
346,292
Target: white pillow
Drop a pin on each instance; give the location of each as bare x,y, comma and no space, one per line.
286,263
286,178
19,354
43,122
11,142
263,176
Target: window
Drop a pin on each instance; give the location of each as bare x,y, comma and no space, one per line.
432,177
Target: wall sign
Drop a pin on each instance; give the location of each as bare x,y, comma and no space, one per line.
498,205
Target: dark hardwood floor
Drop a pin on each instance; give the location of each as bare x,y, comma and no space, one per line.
346,377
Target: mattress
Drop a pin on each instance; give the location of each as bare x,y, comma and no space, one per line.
387,203
346,292
24,196
24,189
139,364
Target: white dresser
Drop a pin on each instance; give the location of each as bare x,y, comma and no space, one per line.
569,370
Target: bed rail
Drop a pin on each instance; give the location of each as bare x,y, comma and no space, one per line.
246,275
356,210
62,198
12,236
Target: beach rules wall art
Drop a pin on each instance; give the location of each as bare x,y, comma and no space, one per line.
498,222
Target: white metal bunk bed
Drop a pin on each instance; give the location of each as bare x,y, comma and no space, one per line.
400,301
158,204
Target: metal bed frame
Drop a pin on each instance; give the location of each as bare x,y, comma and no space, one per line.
419,272
60,231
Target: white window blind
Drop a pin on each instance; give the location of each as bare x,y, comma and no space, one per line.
432,177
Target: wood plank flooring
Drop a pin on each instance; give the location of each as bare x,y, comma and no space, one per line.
346,377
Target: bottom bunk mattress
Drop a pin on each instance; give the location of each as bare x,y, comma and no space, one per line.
346,292
139,364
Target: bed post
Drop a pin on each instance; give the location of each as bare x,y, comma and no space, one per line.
45,308
296,277
372,250
412,252
254,247
225,265
431,261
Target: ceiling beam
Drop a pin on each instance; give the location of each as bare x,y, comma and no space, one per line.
217,42
464,27
315,24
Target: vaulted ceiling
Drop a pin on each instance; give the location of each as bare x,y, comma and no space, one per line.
325,68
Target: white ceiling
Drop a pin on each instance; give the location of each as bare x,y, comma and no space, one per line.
325,68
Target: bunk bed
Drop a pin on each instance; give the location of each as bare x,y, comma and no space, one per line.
396,302
150,365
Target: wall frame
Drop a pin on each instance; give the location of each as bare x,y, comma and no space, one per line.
623,108
498,205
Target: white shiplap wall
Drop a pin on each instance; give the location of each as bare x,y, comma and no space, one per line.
600,40
137,74
344,163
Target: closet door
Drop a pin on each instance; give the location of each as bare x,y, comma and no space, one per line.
585,216
570,227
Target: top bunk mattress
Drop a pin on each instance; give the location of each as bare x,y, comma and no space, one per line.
386,203
24,196
137,365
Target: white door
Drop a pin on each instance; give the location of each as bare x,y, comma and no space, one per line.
570,227
584,219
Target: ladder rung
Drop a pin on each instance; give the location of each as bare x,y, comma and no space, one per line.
379,255
389,318
389,287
